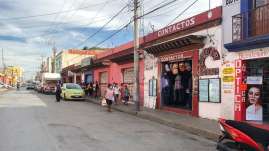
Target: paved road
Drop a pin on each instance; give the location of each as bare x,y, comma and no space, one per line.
35,122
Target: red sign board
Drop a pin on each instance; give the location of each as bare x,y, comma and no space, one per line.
240,91
186,24
82,52
176,56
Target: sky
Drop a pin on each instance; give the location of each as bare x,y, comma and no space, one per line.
26,40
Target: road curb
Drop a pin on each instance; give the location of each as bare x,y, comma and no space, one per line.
180,126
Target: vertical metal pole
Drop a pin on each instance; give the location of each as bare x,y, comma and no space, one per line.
136,56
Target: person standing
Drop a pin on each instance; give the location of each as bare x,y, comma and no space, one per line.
126,95
96,89
116,93
58,92
109,96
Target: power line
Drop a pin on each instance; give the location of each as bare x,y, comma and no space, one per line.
119,30
149,12
52,13
103,26
181,13
166,4
57,26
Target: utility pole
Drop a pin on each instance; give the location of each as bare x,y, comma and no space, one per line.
136,55
3,62
53,60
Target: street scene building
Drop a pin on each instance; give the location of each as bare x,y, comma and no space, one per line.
200,80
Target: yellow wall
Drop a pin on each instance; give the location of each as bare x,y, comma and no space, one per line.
69,59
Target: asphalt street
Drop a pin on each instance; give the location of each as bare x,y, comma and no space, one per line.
35,122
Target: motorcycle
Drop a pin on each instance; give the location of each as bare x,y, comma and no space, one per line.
242,136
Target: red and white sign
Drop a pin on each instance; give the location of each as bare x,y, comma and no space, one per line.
176,56
82,52
253,54
240,91
199,19
177,27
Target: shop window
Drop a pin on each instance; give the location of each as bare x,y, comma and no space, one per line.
209,90
176,84
128,75
103,78
257,90
128,79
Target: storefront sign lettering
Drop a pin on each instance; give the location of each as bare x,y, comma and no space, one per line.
228,70
81,52
254,80
228,79
176,27
253,54
209,52
239,104
229,2
173,57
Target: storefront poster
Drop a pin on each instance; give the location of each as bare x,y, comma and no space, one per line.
254,110
214,90
254,80
152,87
203,90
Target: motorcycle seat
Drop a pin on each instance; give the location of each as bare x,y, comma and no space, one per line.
257,134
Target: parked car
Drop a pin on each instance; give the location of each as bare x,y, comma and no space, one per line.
38,88
30,86
72,91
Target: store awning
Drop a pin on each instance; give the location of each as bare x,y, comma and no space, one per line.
175,43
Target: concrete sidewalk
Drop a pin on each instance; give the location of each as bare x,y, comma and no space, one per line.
2,90
198,126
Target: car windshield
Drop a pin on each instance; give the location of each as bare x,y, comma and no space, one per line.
73,86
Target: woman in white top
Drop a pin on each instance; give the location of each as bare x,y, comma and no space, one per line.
116,90
254,111
109,95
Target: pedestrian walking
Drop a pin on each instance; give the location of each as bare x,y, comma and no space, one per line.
116,91
58,92
109,96
126,95
90,89
97,88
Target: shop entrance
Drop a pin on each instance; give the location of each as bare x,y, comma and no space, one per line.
176,84
257,102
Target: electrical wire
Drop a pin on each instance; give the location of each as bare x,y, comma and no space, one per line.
182,12
52,13
149,12
100,29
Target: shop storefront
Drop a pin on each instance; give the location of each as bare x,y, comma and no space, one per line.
246,38
251,101
116,67
174,54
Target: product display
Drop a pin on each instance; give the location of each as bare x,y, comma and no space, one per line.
176,83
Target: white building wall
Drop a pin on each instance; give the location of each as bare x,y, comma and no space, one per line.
150,71
208,109
229,10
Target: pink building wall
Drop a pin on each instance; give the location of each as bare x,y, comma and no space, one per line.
115,75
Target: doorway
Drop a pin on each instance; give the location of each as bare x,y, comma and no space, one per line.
176,84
